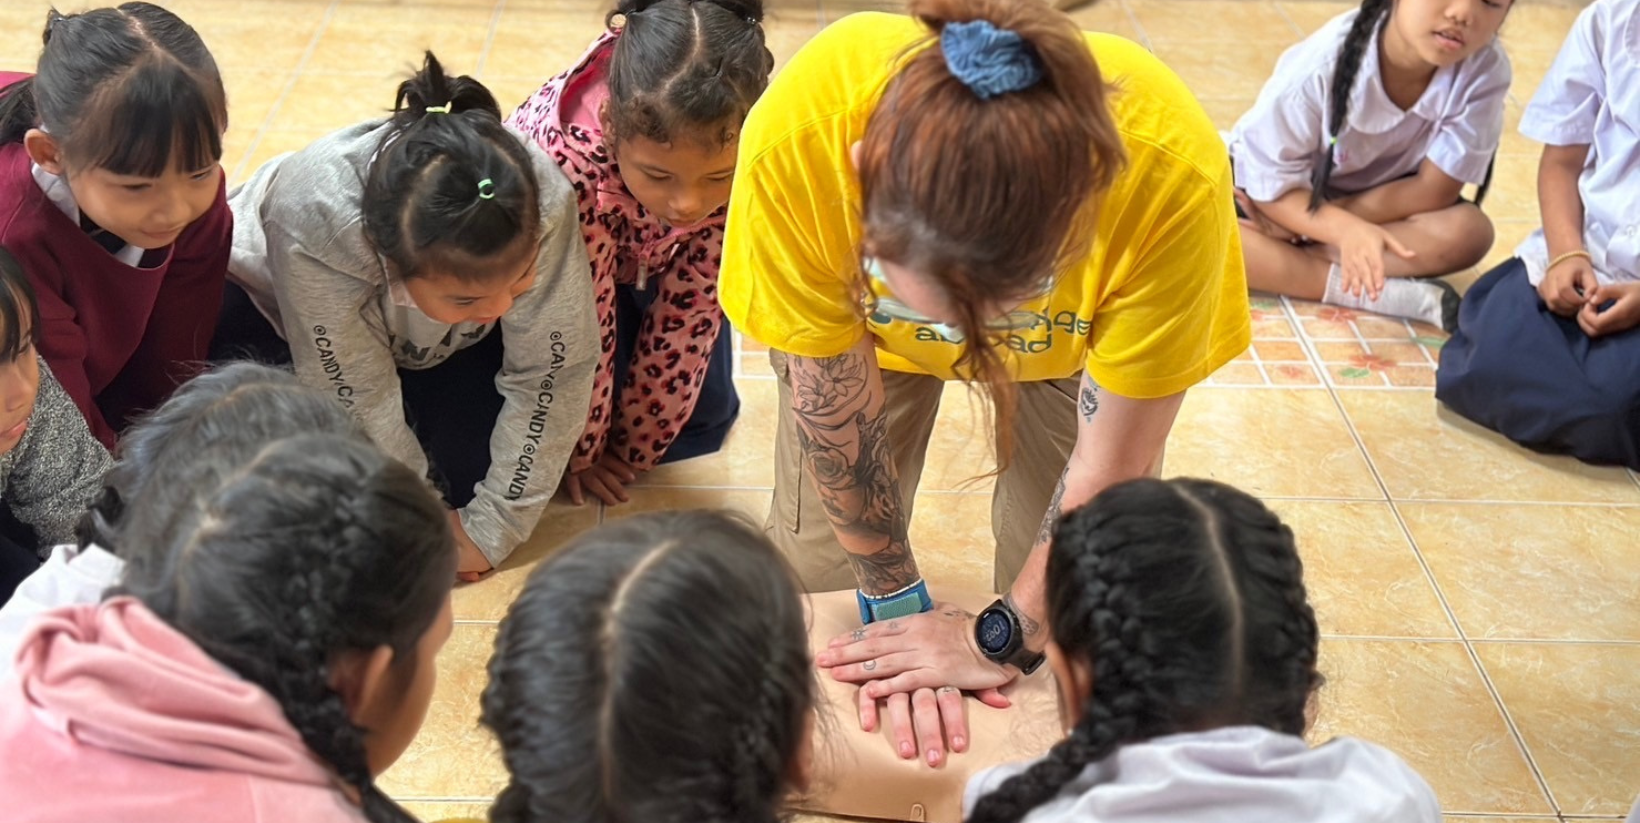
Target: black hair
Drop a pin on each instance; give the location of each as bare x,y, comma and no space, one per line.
1360,38
230,412
690,68
129,89
1187,599
657,670
451,187
317,546
18,309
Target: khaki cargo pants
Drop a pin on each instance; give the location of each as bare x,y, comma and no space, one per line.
1044,433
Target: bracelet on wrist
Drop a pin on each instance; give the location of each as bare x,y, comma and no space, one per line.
1561,258
912,599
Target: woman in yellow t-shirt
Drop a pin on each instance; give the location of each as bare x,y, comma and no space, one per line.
977,192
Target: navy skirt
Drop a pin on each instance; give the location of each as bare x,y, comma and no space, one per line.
1535,377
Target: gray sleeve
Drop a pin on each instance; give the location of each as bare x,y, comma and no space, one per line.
552,347
59,466
332,345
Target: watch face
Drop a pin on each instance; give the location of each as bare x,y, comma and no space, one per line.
995,630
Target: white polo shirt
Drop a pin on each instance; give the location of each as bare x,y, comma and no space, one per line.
1456,123
1591,96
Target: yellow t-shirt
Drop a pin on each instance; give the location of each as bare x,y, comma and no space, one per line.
1158,306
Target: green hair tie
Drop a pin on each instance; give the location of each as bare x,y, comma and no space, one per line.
444,109
486,189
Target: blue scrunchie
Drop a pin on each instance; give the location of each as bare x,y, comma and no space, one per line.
989,60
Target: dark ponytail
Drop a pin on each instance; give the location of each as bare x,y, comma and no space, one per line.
317,546
613,702
1187,598
230,412
451,188
686,68
128,89
1356,43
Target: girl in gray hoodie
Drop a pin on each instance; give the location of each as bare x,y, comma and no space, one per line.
428,271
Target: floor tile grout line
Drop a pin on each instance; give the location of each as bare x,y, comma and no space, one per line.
1258,363
1366,347
489,37
284,94
1475,659
1282,10
1422,349
1138,28
1446,606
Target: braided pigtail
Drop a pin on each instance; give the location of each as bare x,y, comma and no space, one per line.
1283,636
1186,599
274,565
1356,43
573,698
1093,593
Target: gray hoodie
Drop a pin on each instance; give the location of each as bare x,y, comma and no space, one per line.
300,251
56,469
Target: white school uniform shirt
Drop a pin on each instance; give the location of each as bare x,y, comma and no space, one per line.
70,577
1591,96
1240,774
1277,145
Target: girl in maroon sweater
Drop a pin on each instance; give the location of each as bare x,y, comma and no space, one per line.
112,198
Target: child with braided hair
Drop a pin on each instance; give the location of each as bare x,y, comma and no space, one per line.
608,709
1350,166
270,650
1185,653
231,411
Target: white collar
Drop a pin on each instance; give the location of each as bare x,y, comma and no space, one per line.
55,188
1371,110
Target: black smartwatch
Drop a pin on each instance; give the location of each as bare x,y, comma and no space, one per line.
1001,640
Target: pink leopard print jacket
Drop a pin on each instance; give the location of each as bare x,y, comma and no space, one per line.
628,245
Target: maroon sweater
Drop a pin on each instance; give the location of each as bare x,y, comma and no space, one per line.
119,338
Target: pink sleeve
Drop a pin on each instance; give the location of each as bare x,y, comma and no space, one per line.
670,357
591,445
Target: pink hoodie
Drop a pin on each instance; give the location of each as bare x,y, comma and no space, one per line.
112,715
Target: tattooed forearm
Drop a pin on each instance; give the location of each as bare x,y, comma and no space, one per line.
1050,520
842,427
1027,624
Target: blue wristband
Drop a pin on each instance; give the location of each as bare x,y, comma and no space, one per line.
912,599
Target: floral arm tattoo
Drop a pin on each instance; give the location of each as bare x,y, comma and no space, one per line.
843,430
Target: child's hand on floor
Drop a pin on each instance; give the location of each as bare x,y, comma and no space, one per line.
1566,288
471,564
607,479
1361,251
1610,309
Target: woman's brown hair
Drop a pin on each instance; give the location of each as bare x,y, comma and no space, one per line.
989,197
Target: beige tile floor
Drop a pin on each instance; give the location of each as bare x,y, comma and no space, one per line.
1478,601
